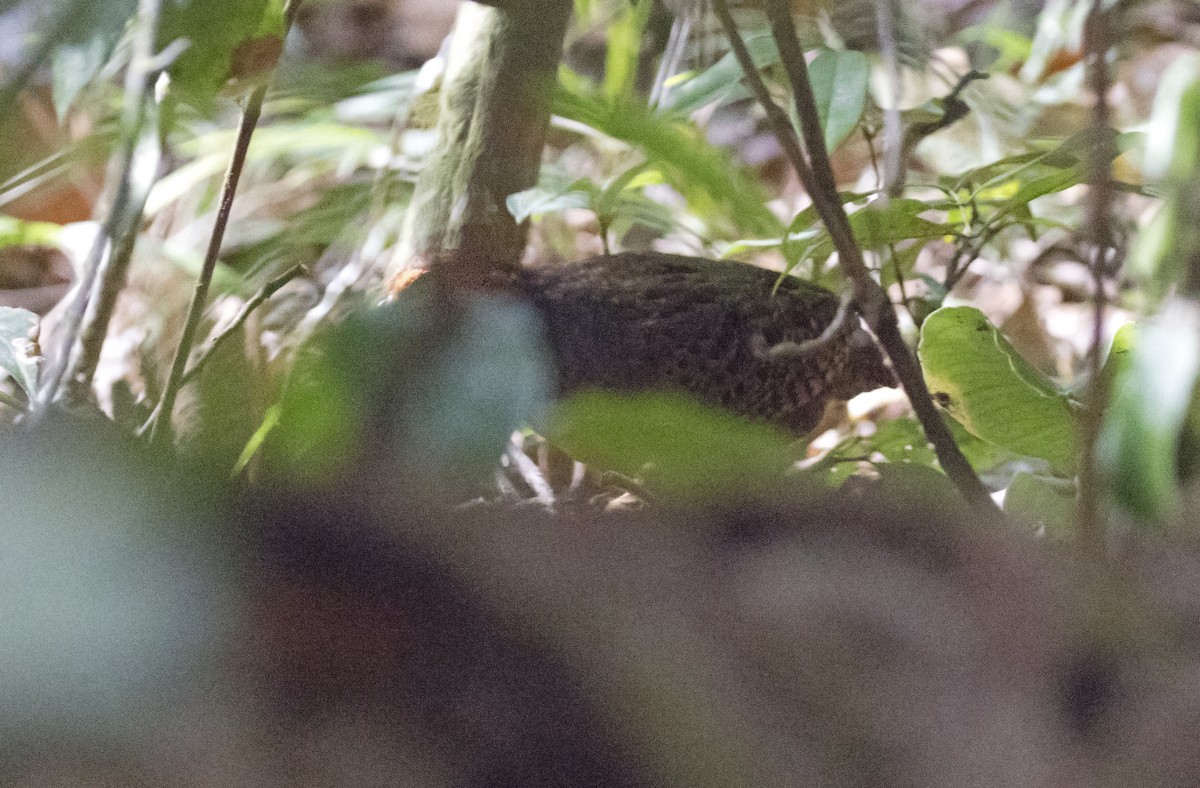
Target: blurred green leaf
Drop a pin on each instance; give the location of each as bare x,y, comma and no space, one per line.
902,440
981,380
544,199
624,49
839,80
14,231
1140,438
712,184
676,446
1044,502
226,39
722,81
19,355
1168,251
433,391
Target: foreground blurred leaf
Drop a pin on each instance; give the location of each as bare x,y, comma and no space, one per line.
1140,439
1044,502
1168,250
19,354
676,446
116,594
416,388
981,380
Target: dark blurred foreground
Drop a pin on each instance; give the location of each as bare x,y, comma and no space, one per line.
154,635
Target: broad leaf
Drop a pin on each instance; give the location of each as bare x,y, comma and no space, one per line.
676,446
980,379
226,39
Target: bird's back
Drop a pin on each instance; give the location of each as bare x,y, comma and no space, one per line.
649,321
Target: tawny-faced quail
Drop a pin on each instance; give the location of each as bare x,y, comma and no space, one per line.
715,329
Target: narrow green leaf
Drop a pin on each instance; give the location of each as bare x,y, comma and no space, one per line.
707,176
722,81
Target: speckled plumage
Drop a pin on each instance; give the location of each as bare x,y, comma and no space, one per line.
649,321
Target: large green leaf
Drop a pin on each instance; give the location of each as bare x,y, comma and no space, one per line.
676,446
980,379
226,38
839,80
1140,439
434,391
19,356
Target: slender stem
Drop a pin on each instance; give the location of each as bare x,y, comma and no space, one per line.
1097,40
258,299
251,113
124,212
816,175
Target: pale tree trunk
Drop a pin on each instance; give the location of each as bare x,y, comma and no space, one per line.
492,121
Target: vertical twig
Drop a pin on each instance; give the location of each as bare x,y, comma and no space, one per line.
1098,234
124,209
893,133
160,419
816,175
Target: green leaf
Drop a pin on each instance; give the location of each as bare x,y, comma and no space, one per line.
1139,441
980,379
19,354
624,49
902,440
1044,502
877,226
722,81
707,177
676,446
226,38
839,79
436,393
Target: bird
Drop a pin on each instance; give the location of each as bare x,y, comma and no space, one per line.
729,334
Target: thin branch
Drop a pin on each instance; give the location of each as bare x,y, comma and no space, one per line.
124,214
269,289
251,112
816,174
1097,42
